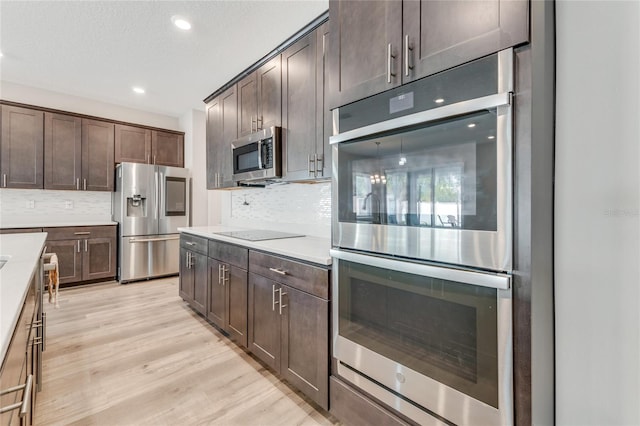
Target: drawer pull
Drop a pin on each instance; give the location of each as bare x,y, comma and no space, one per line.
278,271
190,243
82,233
26,396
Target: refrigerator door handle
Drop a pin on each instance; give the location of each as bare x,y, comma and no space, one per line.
149,240
157,204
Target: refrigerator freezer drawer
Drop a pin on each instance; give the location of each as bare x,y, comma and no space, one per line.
149,256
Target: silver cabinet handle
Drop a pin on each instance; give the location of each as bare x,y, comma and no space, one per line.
225,274
78,184
258,120
26,396
189,243
44,332
84,184
278,271
4,180
188,260
319,160
407,49
86,245
154,159
219,274
282,293
148,158
78,246
273,297
82,233
390,56
311,166
254,121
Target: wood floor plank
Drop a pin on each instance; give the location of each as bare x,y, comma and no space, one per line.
137,354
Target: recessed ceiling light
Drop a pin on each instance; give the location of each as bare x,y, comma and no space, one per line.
181,23
439,101
491,137
139,90
471,125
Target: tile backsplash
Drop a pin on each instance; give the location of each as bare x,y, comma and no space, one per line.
299,208
34,206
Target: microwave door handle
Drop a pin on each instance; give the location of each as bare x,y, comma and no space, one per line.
260,164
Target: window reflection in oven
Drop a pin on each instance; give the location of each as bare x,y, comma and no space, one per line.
442,329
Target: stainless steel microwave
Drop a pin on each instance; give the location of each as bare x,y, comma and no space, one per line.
258,156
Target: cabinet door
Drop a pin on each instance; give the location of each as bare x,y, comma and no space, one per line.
305,344
269,77
69,254
323,119
187,274
21,148
132,144
217,306
264,320
360,62
299,108
99,258
62,151
167,149
443,34
214,142
247,105
236,290
200,266
97,155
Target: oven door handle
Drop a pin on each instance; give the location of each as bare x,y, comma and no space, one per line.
460,108
492,280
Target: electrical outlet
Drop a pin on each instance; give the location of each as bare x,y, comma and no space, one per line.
68,204
31,204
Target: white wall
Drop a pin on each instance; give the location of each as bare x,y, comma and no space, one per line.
56,100
597,213
193,123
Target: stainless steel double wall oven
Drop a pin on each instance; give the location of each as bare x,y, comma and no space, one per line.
422,237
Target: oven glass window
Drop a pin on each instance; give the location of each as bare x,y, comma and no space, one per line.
442,329
443,174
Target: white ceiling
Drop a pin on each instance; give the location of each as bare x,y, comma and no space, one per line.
101,49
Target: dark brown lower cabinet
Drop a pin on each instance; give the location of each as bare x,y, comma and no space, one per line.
228,299
85,253
289,331
194,279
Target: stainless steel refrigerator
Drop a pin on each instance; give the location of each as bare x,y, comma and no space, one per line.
150,203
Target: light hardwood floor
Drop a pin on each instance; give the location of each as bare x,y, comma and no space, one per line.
136,354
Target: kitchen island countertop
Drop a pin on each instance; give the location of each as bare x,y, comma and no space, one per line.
24,251
307,248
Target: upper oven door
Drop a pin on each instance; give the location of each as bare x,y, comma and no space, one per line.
434,185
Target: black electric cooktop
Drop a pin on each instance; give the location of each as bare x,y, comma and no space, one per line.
258,235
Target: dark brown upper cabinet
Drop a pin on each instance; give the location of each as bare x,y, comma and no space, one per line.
21,148
260,98
222,129
132,144
303,112
167,149
140,145
97,155
62,152
78,153
378,45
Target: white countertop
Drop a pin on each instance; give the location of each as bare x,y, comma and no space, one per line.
15,276
310,249
53,224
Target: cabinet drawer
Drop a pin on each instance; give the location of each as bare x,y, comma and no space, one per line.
80,232
310,279
193,243
229,253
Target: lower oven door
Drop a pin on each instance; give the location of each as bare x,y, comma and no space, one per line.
414,334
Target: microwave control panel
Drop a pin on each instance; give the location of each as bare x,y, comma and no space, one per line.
267,153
